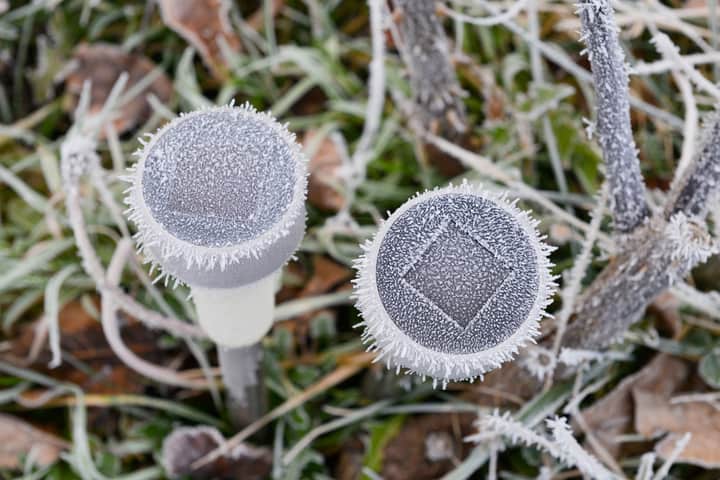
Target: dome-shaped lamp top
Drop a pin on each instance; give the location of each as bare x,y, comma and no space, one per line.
218,196
453,283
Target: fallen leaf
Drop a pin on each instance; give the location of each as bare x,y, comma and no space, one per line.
203,24
702,450
666,308
350,460
185,445
324,167
613,414
102,64
327,274
427,447
22,441
655,415
82,337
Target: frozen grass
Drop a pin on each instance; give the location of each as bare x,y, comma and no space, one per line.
324,66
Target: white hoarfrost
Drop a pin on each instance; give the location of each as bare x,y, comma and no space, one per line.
192,241
453,284
560,444
614,131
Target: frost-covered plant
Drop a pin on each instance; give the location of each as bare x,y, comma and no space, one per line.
436,91
614,131
560,444
453,283
656,249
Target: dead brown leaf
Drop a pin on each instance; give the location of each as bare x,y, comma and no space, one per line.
702,450
427,447
655,415
613,414
23,441
666,308
324,179
102,64
203,24
327,274
187,444
82,337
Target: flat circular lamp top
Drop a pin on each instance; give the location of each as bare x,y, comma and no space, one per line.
453,283
217,187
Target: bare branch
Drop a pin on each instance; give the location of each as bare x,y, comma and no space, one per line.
435,87
627,190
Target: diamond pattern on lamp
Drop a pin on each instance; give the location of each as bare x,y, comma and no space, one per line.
477,274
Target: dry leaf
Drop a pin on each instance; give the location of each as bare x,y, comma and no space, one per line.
655,415
82,337
666,307
203,24
187,444
612,415
327,274
23,441
427,447
325,178
102,64
702,450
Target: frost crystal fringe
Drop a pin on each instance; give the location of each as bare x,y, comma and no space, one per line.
394,344
154,240
562,446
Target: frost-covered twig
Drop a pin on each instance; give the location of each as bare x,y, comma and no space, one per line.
652,260
571,449
662,66
436,91
574,279
376,94
626,186
112,329
701,181
661,251
562,445
677,450
495,19
645,470
670,52
690,128
92,266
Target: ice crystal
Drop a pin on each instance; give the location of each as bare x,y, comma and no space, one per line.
218,196
690,242
561,445
453,284
79,157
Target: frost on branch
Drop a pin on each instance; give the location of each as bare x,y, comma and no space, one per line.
561,443
627,190
652,260
702,179
435,87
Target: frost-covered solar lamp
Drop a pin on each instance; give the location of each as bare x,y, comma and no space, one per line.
453,283
218,197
